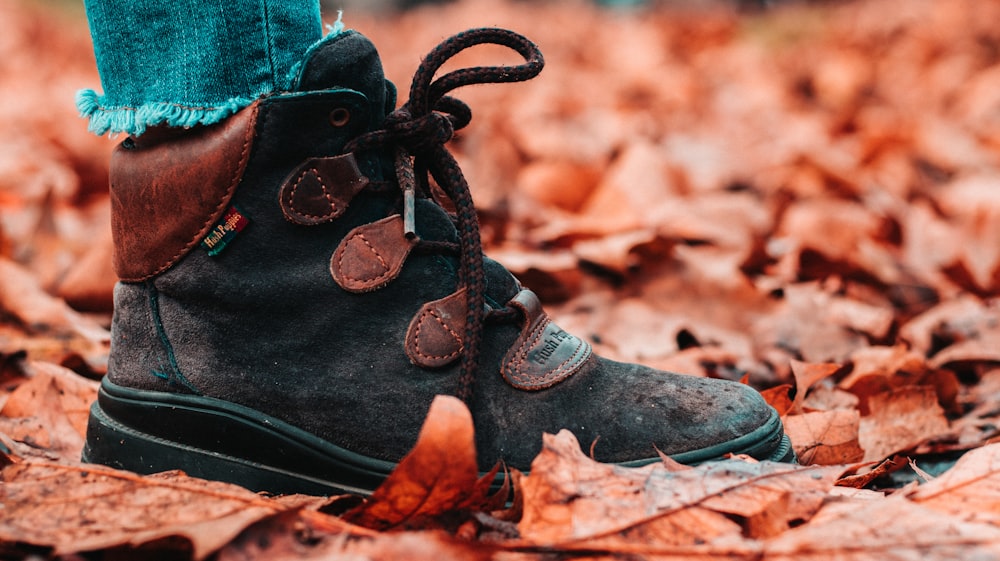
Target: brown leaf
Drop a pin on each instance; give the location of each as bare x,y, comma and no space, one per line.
77,507
560,183
49,410
438,476
89,283
879,529
807,324
307,535
41,314
777,397
825,437
958,319
553,275
806,375
861,480
900,420
570,499
970,490
824,398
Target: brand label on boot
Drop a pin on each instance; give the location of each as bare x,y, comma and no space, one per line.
224,231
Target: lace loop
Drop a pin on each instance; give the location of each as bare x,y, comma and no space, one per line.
416,133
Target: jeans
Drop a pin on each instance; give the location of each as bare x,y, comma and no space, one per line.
191,62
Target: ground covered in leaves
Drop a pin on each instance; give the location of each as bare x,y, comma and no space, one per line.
806,199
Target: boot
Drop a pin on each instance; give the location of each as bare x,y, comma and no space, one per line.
293,295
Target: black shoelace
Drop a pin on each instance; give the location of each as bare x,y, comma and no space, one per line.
417,132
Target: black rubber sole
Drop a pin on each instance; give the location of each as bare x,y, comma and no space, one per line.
149,432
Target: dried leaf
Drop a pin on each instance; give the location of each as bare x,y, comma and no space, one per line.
806,375
569,498
858,481
438,476
891,528
22,296
76,508
970,490
778,397
49,410
900,420
825,437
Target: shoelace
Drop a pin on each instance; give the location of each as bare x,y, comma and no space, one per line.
417,132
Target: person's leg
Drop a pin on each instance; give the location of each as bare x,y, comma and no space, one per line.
191,62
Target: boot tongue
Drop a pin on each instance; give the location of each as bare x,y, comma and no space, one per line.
433,224
349,60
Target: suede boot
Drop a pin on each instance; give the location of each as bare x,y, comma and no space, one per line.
294,294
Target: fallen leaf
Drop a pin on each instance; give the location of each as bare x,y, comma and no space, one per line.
807,375
970,490
900,420
49,410
22,297
778,397
303,535
74,508
825,437
861,480
891,528
438,476
954,320
570,499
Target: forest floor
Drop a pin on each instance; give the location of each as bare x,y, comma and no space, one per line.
805,199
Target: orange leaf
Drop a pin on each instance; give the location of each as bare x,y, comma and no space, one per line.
806,375
49,410
970,489
439,475
571,499
777,397
900,420
825,437
75,508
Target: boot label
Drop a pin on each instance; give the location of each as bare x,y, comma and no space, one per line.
544,354
224,231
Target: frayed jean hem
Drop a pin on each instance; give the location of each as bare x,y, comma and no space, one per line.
106,119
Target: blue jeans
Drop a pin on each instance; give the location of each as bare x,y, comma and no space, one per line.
191,62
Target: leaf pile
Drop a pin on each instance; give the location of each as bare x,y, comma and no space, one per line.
806,199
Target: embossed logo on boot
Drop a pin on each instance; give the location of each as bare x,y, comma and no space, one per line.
232,223
553,338
543,355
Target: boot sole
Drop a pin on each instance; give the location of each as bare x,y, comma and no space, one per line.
150,432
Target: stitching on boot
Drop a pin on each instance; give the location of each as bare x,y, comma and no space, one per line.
326,194
381,260
364,268
175,377
539,335
223,202
522,356
450,331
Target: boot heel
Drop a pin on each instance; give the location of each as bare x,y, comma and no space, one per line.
144,436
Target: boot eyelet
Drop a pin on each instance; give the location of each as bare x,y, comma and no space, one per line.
340,117
128,143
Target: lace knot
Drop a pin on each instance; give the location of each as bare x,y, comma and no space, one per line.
419,133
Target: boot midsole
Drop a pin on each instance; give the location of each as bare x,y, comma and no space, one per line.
173,431
148,431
